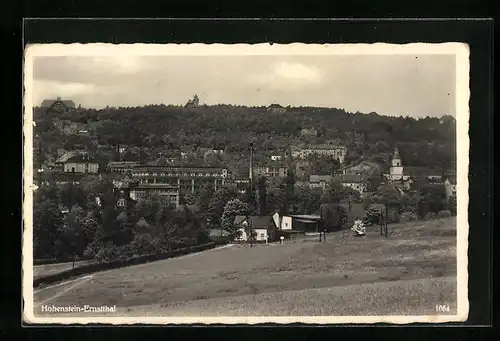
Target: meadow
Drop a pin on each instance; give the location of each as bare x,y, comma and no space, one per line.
407,273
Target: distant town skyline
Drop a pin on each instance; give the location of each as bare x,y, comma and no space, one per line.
391,85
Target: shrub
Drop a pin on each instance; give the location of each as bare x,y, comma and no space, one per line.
334,216
372,216
430,216
408,216
444,214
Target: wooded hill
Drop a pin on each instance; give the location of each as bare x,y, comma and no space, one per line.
427,141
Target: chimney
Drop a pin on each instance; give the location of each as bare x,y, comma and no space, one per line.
251,165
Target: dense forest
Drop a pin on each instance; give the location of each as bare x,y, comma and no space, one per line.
157,131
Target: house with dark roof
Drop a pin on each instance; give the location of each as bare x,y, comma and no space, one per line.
276,108
58,105
263,226
81,164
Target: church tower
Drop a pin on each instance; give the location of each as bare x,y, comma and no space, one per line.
396,165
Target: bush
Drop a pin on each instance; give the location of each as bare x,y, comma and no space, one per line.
444,214
372,216
110,252
430,216
335,216
408,216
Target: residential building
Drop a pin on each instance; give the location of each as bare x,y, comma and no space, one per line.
57,178
188,179
168,195
122,166
276,108
263,227
270,171
319,181
354,181
298,223
451,186
193,103
58,105
336,152
81,164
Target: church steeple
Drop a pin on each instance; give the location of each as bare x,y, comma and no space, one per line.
396,158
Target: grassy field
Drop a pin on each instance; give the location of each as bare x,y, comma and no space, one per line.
51,269
406,274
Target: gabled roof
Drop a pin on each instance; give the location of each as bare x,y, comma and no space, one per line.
258,222
142,223
275,106
47,103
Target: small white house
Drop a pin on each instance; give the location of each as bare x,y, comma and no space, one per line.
451,186
260,224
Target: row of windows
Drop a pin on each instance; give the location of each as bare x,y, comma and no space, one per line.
180,174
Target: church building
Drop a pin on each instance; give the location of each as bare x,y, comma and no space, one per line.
403,175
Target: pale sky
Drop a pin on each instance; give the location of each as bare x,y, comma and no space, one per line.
413,85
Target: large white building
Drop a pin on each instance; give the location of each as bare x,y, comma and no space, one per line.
336,152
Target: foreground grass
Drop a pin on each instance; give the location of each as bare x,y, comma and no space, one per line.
312,277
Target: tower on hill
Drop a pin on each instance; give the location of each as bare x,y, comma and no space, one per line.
193,103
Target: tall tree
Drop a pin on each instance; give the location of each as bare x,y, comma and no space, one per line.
217,204
73,234
232,209
47,225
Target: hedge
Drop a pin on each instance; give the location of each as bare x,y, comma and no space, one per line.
95,267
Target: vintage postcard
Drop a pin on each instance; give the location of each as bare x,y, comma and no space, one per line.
245,184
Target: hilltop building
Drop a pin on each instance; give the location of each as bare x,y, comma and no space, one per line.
58,105
193,103
276,108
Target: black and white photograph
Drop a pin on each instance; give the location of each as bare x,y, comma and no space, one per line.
244,184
